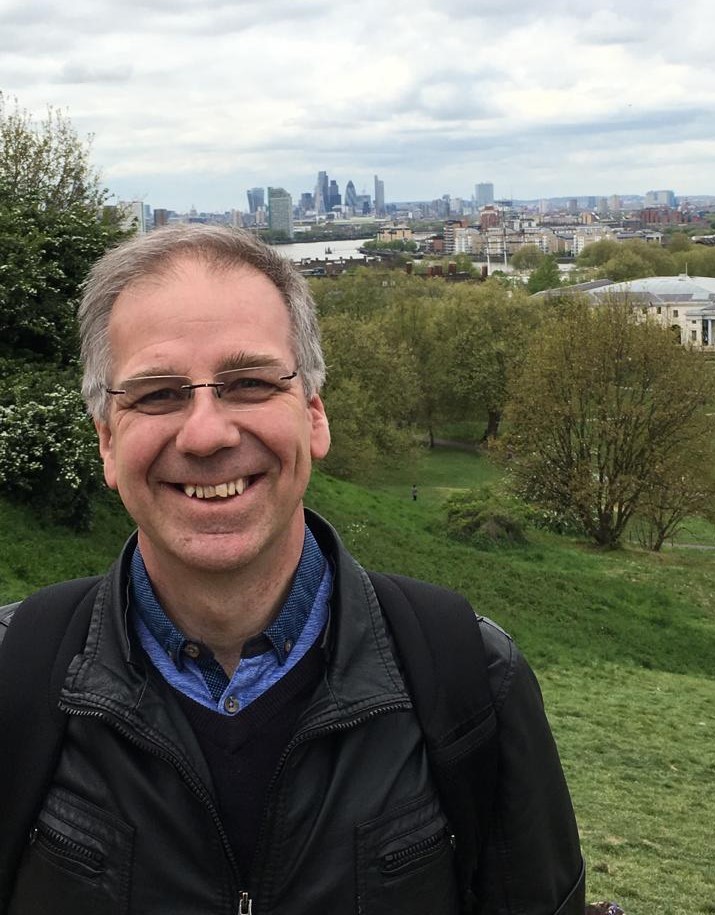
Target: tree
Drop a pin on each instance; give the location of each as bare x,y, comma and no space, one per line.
546,276
483,330
528,257
45,161
603,405
50,232
371,397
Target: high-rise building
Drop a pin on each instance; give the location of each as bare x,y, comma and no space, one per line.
484,194
256,199
350,196
334,198
280,211
379,197
322,193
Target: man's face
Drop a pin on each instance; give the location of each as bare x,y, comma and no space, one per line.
197,321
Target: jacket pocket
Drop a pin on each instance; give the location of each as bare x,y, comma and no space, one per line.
78,861
405,862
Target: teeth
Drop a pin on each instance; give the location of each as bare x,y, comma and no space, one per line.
222,490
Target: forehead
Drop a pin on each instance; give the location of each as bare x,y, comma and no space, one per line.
193,312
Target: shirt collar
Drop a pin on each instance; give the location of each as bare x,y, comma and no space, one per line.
280,636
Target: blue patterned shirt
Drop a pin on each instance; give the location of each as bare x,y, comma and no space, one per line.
190,666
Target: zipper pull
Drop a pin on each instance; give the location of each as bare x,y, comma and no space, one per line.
245,905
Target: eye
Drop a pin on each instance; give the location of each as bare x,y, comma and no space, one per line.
247,388
157,398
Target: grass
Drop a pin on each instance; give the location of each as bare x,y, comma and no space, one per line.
623,643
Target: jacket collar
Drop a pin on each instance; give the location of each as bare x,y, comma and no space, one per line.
361,672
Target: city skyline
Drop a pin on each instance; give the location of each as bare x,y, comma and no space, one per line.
191,105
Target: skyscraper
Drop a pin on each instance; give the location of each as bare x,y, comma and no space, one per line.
256,199
379,197
334,198
484,194
350,196
280,211
322,193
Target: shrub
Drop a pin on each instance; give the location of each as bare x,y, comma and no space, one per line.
486,517
48,454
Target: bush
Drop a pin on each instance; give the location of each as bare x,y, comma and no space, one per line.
486,517
48,454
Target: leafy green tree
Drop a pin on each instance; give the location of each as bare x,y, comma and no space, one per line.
602,404
50,233
371,396
679,241
528,257
598,253
483,330
546,276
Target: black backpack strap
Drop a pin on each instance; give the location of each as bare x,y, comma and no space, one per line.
440,646
47,630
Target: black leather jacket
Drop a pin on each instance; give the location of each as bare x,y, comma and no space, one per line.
352,822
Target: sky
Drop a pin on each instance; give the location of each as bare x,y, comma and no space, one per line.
190,103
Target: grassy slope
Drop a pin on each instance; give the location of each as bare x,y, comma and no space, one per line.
624,645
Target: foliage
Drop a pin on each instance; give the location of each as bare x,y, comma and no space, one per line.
528,257
408,245
482,332
48,453
50,232
485,517
601,411
680,486
546,276
45,161
371,399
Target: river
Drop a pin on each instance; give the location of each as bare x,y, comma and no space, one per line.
323,250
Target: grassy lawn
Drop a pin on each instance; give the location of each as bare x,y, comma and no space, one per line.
624,646
623,643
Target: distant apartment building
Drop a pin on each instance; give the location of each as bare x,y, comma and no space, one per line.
489,218
161,217
484,194
379,197
256,199
587,235
133,216
659,199
280,211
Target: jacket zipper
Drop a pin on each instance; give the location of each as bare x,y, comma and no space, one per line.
298,739
245,903
393,861
63,845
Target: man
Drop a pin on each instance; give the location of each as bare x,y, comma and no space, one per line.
239,735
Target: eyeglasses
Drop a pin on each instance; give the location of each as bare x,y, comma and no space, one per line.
239,389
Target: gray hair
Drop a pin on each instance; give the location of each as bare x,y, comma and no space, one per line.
151,255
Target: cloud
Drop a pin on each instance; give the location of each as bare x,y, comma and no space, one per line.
198,101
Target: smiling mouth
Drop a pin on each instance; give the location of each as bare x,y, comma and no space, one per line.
219,490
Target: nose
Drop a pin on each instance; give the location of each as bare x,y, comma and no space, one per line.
206,425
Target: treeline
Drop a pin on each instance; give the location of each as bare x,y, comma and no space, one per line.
602,420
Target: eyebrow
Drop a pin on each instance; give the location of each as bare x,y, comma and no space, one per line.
237,360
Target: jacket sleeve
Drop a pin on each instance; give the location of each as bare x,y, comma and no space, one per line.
531,862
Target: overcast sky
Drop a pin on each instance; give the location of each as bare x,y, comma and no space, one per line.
193,101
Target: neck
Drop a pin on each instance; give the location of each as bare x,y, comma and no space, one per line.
223,609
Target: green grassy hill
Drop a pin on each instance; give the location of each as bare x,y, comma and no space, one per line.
623,643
